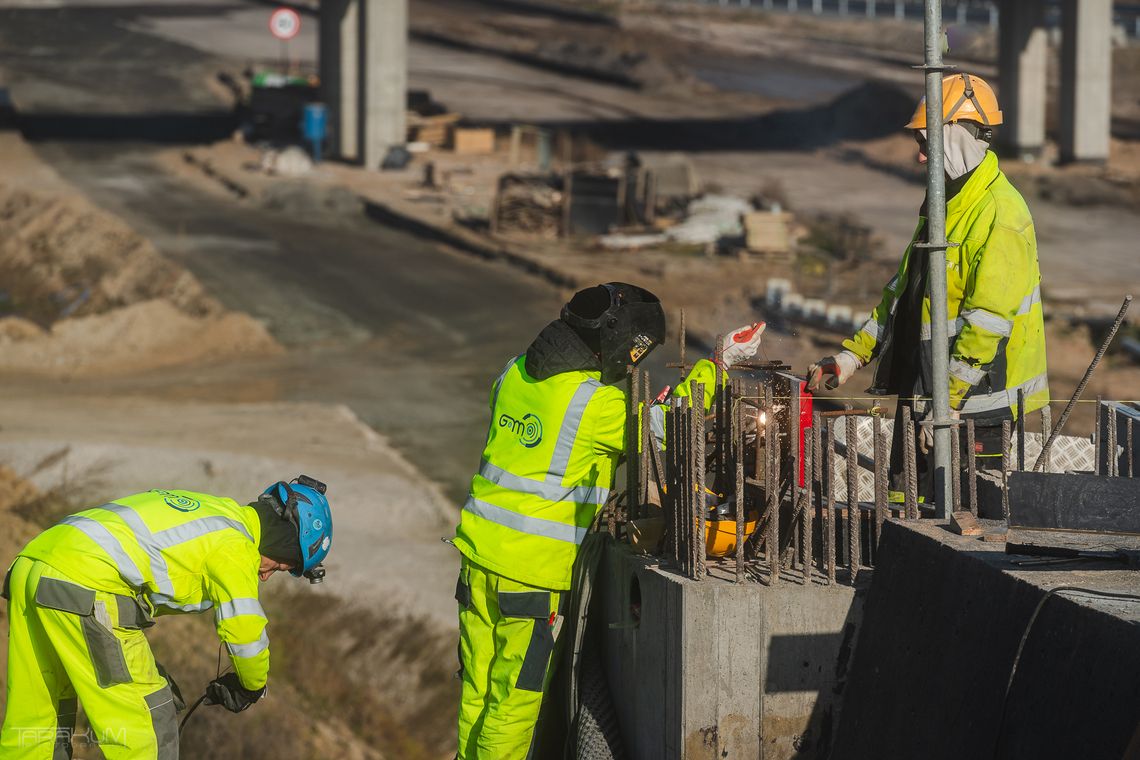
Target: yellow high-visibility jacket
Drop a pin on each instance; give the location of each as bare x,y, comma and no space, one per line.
548,468
997,328
176,552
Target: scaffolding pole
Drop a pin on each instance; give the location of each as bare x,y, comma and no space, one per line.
935,248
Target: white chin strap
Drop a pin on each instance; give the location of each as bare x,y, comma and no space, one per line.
964,152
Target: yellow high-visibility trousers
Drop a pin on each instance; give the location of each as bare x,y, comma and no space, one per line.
67,641
507,636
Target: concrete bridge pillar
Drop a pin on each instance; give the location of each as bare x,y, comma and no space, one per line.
1086,79
1023,47
364,74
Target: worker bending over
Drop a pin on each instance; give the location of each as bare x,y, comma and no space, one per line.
558,416
997,332
81,593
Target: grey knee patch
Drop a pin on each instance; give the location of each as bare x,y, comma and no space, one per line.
164,719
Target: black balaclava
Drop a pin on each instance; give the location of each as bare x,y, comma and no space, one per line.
280,540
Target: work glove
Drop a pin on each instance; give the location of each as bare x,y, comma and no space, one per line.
926,434
833,371
228,692
740,344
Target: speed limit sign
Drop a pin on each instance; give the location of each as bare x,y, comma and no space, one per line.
285,23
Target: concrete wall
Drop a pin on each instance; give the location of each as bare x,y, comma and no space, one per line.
718,670
941,629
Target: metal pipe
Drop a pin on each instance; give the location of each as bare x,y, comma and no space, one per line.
1084,381
1020,428
936,251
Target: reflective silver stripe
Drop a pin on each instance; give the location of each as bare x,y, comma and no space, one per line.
180,534
987,320
98,533
966,373
146,541
954,326
543,490
1006,399
560,462
163,600
657,422
534,526
235,607
872,328
250,650
1030,301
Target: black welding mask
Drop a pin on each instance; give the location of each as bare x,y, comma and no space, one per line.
621,323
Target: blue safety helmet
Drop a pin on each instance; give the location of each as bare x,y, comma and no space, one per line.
302,502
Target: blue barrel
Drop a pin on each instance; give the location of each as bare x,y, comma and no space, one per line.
314,126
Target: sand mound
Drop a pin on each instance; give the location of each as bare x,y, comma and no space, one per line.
144,335
61,257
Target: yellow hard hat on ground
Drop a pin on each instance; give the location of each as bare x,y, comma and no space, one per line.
964,98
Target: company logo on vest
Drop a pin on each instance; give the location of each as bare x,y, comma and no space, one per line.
528,429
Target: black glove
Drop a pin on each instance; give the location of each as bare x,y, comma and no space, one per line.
228,692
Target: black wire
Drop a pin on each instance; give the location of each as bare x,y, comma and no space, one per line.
1025,637
186,717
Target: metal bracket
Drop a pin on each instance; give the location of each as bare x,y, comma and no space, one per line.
930,67
949,422
935,246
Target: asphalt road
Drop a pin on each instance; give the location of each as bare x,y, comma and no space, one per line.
408,334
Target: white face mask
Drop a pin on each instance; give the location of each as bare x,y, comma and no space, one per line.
963,151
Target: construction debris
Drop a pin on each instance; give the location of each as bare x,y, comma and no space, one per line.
529,204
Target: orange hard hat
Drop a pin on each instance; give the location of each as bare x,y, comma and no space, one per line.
720,535
965,97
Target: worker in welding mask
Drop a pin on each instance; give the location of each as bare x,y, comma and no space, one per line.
81,594
997,333
558,416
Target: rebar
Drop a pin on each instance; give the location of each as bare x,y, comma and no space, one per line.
881,487
955,471
648,444
1113,459
829,513
673,472
817,476
854,549
972,466
1084,381
681,345
1046,426
738,462
772,489
794,476
699,479
1020,428
806,509
633,441
910,467
1005,469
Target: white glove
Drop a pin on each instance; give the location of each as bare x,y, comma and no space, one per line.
926,434
740,344
836,369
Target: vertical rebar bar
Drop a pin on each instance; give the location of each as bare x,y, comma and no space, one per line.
1098,436
1113,459
972,466
738,463
1046,427
1130,452
935,246
673,489
796,458
1005,469
881,487
956,470
910,475
807,506
1020,428
828,524
699,480
681,345
854,548
648,444
772,489
633,443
